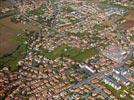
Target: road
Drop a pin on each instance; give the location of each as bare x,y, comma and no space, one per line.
102,74
99,91
97,75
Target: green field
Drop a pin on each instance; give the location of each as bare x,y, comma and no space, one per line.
77,54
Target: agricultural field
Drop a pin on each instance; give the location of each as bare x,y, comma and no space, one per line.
12,50
8,35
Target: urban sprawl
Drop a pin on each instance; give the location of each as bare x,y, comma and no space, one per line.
74,50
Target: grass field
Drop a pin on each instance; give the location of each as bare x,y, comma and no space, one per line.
76,54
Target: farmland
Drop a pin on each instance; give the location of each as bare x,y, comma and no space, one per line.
8,35
12,50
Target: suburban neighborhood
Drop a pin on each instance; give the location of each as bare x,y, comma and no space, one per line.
66,50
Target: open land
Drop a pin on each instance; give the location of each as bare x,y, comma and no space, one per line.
10,50
130,15
8,35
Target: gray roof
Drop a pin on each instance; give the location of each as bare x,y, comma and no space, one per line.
109,78
121,69
121,77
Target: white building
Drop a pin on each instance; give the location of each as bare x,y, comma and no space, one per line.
82,65
112,10
121,70
121,78
108,80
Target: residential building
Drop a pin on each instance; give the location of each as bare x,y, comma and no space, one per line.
121,70
121,78
108,80
82,65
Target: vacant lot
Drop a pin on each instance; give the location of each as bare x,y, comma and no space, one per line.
130,15
8,34
7,41
126,25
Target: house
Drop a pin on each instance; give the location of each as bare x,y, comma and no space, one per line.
108,80
121,78
121,70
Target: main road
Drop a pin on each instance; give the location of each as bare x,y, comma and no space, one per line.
101,75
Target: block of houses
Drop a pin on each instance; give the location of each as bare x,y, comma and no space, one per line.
108,80
121,78
112,10
121,70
